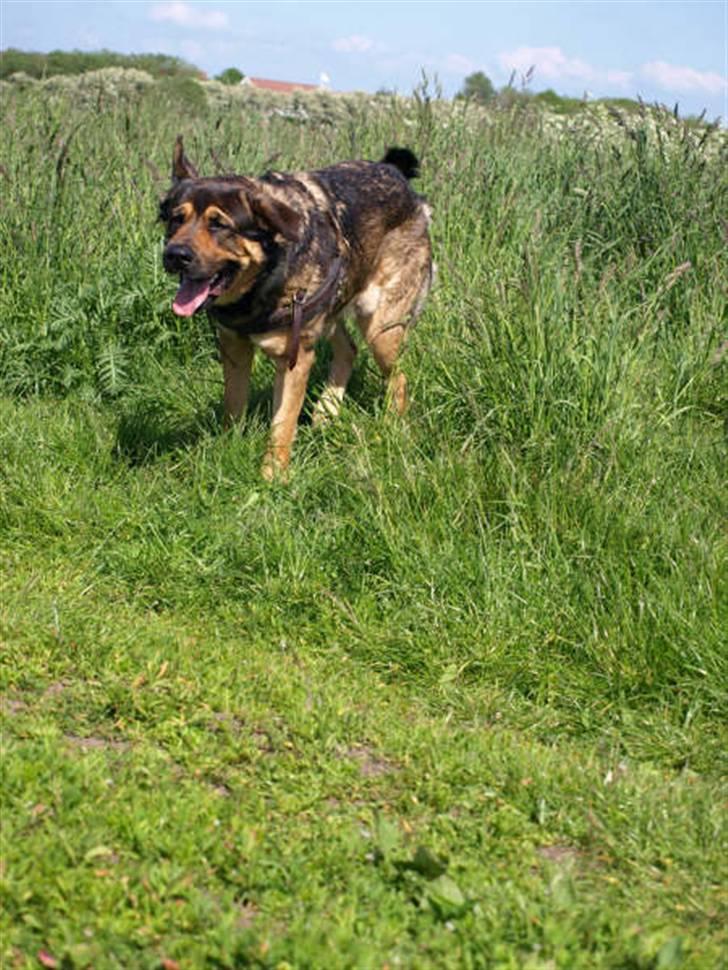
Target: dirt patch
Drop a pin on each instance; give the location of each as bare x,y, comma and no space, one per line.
92,742
12,705
221,721
371,764
53,690
335,805
18,705
560,855
247,913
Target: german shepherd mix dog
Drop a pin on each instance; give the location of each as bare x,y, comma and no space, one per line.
278,261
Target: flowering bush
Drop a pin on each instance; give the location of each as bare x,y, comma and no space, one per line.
596,121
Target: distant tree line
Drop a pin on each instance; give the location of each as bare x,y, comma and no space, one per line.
478,87
231,75
79,62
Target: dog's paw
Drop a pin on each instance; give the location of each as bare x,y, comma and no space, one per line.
275,467
397,399
328,405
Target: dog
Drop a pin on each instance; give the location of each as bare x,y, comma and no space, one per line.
278,261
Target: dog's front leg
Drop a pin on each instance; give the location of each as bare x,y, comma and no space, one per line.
288,394
237,360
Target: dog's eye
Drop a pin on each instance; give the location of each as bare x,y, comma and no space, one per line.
217,224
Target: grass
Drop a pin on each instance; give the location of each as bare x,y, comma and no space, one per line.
453,697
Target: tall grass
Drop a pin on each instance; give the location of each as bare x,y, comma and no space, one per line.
540,544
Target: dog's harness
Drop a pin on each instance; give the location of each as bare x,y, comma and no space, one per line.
298,313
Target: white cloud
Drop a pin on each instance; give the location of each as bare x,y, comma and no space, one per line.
676,78
389,60
548,62
458,64
621,78
185,15
354,44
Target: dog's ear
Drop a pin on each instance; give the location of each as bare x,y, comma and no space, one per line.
276,215
182,167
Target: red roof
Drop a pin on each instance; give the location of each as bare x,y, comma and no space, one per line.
283,87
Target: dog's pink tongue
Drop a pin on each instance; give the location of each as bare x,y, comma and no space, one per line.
190,296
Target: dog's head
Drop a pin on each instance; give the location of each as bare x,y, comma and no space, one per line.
221,234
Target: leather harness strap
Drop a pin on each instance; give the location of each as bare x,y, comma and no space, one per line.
298,313
299,301
303,310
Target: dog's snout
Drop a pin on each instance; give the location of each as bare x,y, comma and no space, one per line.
177,258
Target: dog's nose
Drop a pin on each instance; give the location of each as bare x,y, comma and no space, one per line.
177,258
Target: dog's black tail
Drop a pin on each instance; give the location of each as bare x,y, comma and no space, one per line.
404,160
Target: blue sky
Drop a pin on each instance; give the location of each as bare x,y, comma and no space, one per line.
662,50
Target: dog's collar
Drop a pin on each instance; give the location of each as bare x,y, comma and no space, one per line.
296,314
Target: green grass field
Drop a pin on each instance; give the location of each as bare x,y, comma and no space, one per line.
453,697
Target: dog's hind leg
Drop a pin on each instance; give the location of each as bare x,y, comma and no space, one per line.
385,343
384,315
342,364
393,299
289,391
237,359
